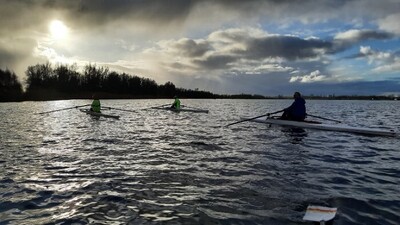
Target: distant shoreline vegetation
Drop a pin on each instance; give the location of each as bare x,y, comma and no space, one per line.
43,82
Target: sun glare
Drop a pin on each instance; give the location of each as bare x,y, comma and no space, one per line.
58,30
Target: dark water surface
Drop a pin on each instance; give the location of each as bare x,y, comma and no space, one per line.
161,167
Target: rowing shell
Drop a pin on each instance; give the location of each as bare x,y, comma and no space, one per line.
99,114
183,109
328,127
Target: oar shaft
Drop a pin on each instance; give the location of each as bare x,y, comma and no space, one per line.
153,107
276,112
253,118
64,109
126,110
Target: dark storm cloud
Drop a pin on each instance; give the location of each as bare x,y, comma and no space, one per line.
239,44
151,12
158,12
372,34
226,48
288,47
191,48
215,62
347,39
20,14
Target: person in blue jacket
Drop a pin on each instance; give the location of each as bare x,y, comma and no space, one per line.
296,111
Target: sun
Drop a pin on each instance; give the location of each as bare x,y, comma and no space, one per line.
58,30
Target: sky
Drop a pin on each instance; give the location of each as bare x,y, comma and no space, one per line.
266,47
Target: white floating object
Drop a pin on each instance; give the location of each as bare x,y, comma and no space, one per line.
319,213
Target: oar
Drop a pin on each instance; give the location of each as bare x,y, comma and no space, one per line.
75,107
126,110
337,121
156,106
268,114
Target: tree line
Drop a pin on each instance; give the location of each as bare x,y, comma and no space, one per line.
48,82
10,87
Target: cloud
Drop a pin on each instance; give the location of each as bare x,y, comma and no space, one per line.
252,50
390,23
374,56
186,47
361,35
239,50
249,50
204,40
16,53
162,16
383,62
392,68
314,76
344,40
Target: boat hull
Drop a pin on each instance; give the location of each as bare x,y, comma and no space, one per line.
99,114
327,127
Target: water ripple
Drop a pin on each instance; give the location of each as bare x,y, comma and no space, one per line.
160,167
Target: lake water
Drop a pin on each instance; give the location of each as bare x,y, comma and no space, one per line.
162,167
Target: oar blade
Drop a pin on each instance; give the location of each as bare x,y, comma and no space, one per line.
319,213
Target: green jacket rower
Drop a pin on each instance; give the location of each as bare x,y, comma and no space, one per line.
96,106
176,104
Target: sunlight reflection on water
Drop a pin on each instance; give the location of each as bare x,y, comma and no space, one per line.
185,168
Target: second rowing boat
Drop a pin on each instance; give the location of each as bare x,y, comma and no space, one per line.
327,127
99,114
183,109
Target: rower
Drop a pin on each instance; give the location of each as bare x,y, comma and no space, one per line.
296,111
177,103
96,106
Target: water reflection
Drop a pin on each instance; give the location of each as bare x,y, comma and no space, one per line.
154,167
295,134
